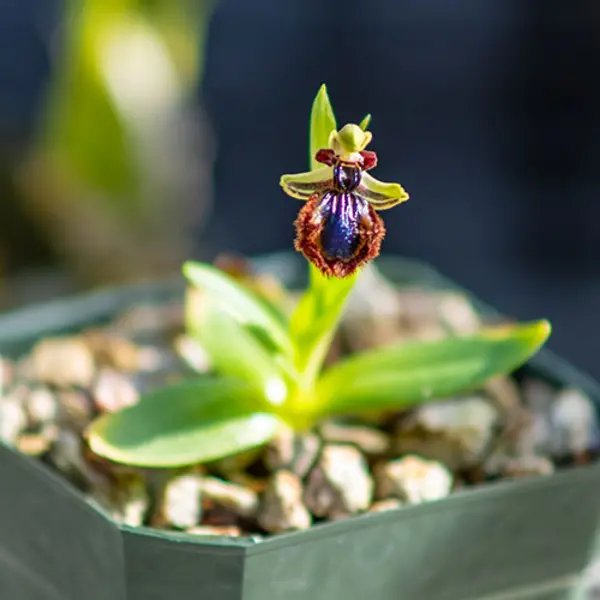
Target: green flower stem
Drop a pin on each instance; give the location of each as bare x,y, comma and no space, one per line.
315,320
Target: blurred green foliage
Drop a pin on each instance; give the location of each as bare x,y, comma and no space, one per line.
120,165
119,57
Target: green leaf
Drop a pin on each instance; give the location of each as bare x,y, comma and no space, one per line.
84,130
183,27
240,303
88,133
191,422
235,350
396,377
322,123
315,319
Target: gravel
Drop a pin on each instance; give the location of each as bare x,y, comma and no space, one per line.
62,362
340,469
282,508
182,501
457,432
340,484
413,480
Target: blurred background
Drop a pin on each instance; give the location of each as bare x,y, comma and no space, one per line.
137,133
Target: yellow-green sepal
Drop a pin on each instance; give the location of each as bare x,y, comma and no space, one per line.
303,185
381,195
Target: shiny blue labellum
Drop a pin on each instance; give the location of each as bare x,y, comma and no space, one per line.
341,211
340,237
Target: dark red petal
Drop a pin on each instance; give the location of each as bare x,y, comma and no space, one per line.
369,159
326,156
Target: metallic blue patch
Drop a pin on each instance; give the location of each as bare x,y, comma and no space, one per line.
340,236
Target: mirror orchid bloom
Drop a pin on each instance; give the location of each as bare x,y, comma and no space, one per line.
338,228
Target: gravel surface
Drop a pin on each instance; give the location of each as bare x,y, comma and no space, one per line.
342,468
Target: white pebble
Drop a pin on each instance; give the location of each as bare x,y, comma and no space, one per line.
573,418
414,480
13,420
42,406
340,484
182,504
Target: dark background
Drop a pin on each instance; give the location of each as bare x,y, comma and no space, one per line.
488,113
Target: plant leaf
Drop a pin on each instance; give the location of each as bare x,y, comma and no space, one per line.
235,350
314,321
240,303
194,421
79,100
322,123
396,377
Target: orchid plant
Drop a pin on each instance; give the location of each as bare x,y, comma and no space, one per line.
268,366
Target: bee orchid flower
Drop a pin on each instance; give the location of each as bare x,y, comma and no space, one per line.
338,229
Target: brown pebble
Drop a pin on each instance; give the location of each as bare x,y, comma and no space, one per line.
218,516
582,458
112,350
369,440
33,444
62,362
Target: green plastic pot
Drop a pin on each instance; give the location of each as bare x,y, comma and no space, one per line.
523,539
